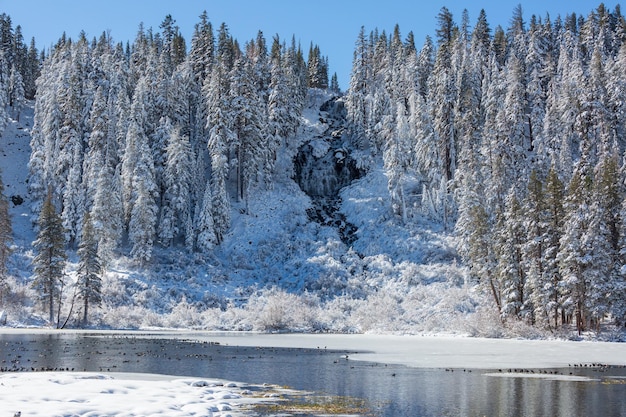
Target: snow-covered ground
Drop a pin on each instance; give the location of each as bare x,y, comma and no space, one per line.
439,351
55,394
427,351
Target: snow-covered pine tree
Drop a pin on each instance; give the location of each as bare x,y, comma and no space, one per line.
540,67
32,71
468,180
102,176
616,90
514,149
16,92
396,161
277,106
176,211
89,270
143,216
601,238
618,306
73,98
107,213
425,63
206,236
317,68
139,183
573,253
534,209
220,136
357,93
4,98
202,49
249,127
50,257
443,93
334,84
511,269
480,251
6,237
493,94
548,294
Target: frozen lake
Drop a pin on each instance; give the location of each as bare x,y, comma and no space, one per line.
398,376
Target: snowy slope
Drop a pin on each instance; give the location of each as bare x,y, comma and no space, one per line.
14,156
276,269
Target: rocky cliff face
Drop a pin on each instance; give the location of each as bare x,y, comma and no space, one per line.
323,166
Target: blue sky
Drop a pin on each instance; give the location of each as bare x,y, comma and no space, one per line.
332,24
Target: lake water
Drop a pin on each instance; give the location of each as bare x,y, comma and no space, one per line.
390,391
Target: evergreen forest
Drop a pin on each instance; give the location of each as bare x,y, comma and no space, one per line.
507,144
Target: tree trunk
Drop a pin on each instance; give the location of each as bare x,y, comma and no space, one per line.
86,308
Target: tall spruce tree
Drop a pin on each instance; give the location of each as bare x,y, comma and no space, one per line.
6,237
89,269
50,257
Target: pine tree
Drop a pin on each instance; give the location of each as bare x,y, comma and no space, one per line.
32,72
481,253
220,136
602,238
334,84
442,98
202,48
207,238
573,254
534,208
16,92
317,68
493,94
50,256
548,293
89,268
6,237
356,98
396,156
139,181
618,306
512,126
176,208
249,118
511,272
143,212
278,100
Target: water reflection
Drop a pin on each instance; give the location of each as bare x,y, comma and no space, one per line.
393,391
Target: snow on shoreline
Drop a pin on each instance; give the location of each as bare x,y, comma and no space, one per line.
443,351
432,351
53,394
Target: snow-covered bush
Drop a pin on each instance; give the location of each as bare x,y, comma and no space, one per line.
277,310
184,315
131,317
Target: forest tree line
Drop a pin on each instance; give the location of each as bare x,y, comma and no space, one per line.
514,139
153,139
511,138
148,143
19,68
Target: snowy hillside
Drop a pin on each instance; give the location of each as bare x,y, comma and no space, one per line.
276,269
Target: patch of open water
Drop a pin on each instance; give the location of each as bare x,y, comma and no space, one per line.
390,390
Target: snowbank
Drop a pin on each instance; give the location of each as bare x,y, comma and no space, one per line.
425,351
441,351
53,394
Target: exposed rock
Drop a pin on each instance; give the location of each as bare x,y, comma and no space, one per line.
323,166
